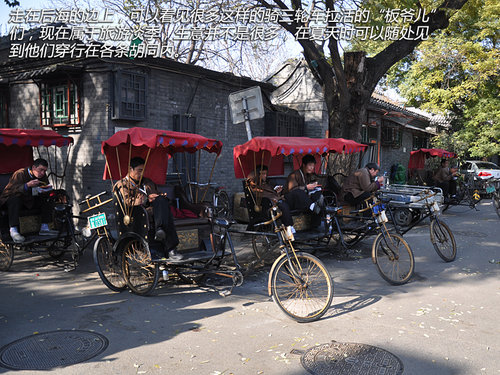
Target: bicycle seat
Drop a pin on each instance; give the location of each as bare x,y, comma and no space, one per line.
224,222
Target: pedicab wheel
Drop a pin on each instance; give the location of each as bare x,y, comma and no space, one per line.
139,272
443,240
496,204
393,257
222,207
109,265
304,293
402,217
6,256
265,248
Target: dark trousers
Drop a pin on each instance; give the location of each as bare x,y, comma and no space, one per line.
448,187
164,219
16,203
300,200
286,216
349,198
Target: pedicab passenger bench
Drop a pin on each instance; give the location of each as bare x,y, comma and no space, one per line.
29,220
191,231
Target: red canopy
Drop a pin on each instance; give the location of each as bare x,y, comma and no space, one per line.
161,144
16,146
418,157
270,151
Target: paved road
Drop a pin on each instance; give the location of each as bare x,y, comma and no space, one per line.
445,321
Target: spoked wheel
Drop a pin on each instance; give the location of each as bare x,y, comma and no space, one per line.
6,256
265,248
221,204
443,240
139,272
57,248
109,265
305,292
496,203
393,257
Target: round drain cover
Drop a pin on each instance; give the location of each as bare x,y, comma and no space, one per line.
47,350
350,359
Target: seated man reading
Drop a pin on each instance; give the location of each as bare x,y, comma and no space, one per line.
27,188
444,178
269,194
302,191
361,183
144,192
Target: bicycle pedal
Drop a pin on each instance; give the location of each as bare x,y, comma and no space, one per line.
225,293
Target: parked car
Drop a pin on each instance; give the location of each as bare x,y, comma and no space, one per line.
481,169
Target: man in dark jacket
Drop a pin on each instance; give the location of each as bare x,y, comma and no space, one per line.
444,178
137,190
360,184
27,189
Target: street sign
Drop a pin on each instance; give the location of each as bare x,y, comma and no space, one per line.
246,105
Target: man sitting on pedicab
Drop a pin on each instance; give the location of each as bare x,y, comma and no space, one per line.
137,191
28,188
360,185
270,195
444,179
302,190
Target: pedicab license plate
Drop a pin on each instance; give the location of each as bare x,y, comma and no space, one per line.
98,221
490,189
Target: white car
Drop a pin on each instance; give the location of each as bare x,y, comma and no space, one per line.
482,169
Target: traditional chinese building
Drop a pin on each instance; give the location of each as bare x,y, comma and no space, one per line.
391,130
92,98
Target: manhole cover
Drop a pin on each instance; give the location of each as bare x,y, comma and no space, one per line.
47,350
350,359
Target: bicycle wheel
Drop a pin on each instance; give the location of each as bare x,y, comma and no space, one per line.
139,272
393,257
109,265
496,203
221,205
443,240
265,248
6,256
304,293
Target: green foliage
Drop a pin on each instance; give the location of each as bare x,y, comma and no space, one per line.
457,72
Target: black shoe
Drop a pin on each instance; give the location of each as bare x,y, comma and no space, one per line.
174,255
160,235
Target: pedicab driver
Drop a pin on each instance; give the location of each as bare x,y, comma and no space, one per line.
361,183
302,190
28,188
146,194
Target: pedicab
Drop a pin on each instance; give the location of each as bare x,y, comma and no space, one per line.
202,239
467,193
390,252
18,148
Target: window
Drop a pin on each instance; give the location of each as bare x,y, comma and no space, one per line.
184,163
284,124
4,108
391,135
368,134
60,104
130,96
420,142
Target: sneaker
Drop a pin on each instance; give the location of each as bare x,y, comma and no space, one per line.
17,237
174,255
315,208
48,232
